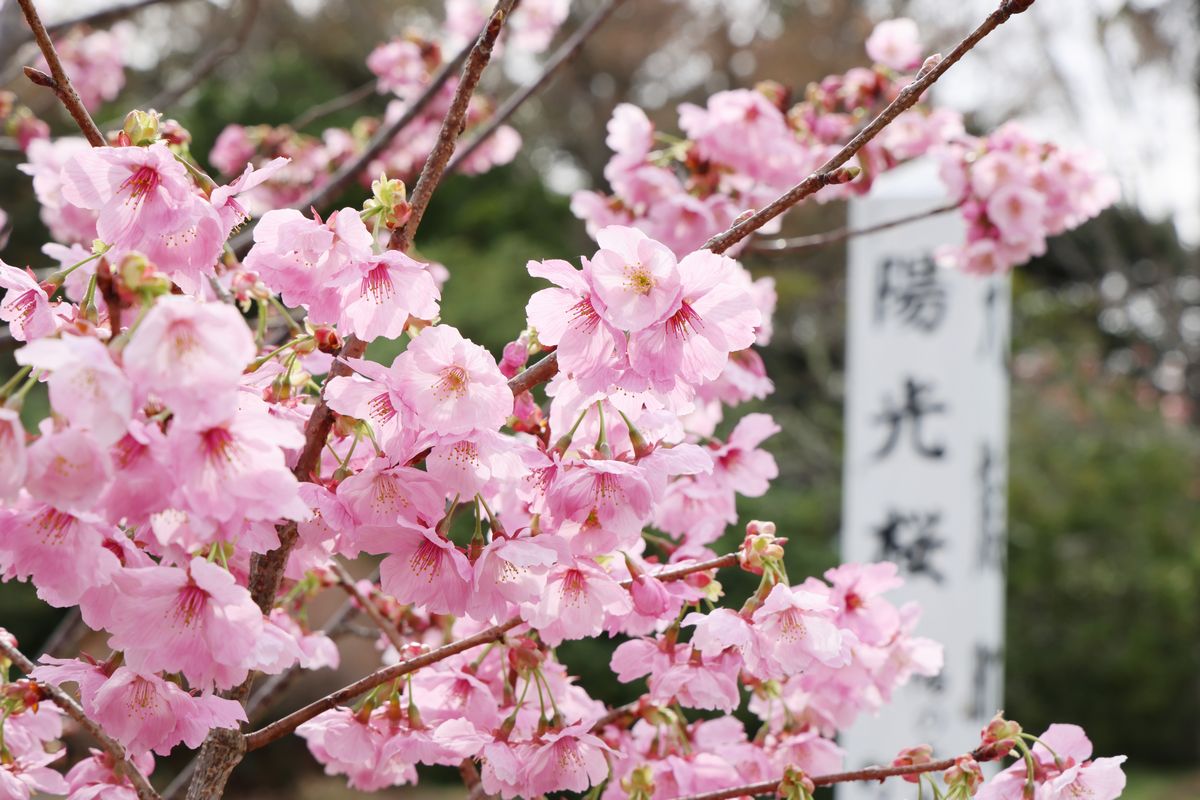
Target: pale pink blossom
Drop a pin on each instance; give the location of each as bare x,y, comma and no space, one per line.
13,460
896,44
635,277
571,759
26,306
426,569
452,384
68,469
86,387
190,356
197,621
798,629
578,595
63,555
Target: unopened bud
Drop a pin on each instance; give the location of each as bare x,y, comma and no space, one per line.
929,65
639,784
327,339
1015,6
911,757
1000,729
964,778
843,175
141,127
795,785
389,197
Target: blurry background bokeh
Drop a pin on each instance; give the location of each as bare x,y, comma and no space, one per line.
1104,555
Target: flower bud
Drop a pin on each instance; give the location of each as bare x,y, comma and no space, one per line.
650,597
912,756
964,778
389,198
1000,729
760,547
141,127
795,785
328,340
639,784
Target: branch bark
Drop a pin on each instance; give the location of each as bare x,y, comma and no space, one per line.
987,753
565,54
57,80
452,126
67,703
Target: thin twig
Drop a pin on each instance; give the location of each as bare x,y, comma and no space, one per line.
349,171
211,60
67,703
565,54
282,727
350,98
800,244
452,126
828,172
367,606
57,80
987,753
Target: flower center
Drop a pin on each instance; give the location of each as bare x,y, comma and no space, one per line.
189,604
639,280
377,284
140,183
684,322
453,382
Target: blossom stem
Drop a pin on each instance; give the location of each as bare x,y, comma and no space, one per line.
12,382
58,81
58,277
67,703
18,397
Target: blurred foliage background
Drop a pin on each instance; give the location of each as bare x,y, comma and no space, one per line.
1104,556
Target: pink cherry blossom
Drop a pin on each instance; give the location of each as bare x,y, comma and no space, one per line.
190,356
68,469
567,318
13,461
197,621
426,569
26,306
896,44
383,292
98,778
571,759
576,599
452,384
798,629
635,277
86,387
63,555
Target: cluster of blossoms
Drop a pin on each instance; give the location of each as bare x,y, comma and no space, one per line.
404,68
747,146
1015,192
95,57
179,455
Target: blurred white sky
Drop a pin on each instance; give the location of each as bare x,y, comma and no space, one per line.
1068,67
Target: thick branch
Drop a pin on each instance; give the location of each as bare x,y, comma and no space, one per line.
907,98
800,244
564,55
988,753
540,372
67,703
57,80
452,126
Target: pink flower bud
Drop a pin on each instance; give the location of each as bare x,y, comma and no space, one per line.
650,597
912,756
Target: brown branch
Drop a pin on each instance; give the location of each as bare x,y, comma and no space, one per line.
280,728
530,377
987,753
564,55
209,63
452,126
67,703
800,244
367,606
829,172
350,98
57,80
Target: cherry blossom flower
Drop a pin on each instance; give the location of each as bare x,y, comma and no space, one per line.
896,44
635,277
451,384
190,356
197,621
383,292
85,385
26,306
427,570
